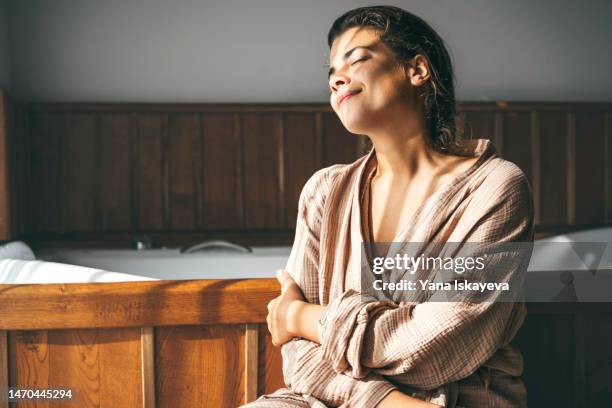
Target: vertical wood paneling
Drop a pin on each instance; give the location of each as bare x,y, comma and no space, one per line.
223,171
547,345
339,145
4,366
608,171
221,164
5,200
147,363
590,156
48,193
571,168
480,125
536,176
81,161
270,364
115,173
210,356
74,355
251,359
119,367
553,168
19,166
29,363
598,360
148,181
517,141
262,137
184,171
300,158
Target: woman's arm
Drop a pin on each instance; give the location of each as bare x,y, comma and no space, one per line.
429,344
396,399
304,369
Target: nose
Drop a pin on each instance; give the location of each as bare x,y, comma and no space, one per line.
337,80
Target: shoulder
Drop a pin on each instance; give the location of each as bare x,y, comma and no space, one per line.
503,180
319,185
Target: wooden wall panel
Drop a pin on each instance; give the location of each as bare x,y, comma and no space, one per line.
479,125
29,363
553,168
5,202
120,368
547,345
301,158
339,145
270,364
20,167
115,172
102,367
80,177
263,192
598,360
590,168
517,141
210,356
150,172
184,176
47,172
221,172
608,172
211,170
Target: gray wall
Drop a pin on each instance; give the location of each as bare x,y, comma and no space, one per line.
275,50
5,64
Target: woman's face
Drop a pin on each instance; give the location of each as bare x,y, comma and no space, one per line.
366,83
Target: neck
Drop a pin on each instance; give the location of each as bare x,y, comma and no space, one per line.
401,147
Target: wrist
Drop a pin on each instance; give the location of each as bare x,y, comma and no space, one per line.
293,317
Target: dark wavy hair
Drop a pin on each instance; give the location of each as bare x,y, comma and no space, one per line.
408,35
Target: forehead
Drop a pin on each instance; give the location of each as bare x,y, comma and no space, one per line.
350,38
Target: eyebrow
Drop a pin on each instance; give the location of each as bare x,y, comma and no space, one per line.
346,55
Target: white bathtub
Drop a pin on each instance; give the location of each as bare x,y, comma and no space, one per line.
555,271
262,262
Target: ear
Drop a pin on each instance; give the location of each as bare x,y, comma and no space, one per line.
418,70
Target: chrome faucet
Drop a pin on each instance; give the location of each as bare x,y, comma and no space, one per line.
142,241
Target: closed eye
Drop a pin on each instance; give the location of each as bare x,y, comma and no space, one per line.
359,60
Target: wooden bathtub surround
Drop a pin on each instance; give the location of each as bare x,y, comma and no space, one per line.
149,344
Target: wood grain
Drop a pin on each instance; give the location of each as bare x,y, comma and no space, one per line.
262,137
251,361
183,152
300,158
221,172
115,173
4,366
5,202
80,145
147,360
135,304
270,363
149,171
200,366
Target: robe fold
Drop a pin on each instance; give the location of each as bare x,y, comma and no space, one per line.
454,354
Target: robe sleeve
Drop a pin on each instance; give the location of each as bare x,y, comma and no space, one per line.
304,369
426,345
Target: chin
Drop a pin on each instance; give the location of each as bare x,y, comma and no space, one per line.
356,122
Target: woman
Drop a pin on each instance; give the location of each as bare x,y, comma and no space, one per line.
391,79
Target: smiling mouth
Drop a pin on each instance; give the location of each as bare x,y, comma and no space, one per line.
344,98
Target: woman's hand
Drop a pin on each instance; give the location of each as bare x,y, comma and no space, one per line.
278,318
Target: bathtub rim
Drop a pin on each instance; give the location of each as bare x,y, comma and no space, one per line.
135,304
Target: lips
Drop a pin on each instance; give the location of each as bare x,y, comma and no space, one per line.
346,96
